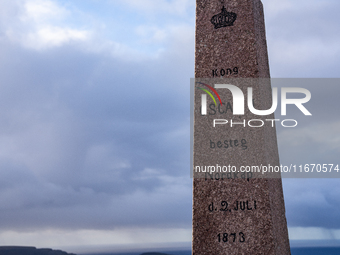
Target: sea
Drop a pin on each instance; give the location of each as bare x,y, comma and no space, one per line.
294,251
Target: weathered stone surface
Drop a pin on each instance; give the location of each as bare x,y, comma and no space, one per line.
231,214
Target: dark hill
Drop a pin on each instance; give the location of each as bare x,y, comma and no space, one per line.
18,250
154,253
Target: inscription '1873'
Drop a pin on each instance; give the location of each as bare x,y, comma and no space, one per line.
232,237
224,72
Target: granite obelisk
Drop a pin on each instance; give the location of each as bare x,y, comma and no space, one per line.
234,213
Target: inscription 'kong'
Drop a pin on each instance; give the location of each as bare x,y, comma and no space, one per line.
224,72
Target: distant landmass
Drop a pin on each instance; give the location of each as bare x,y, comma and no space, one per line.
19,250
294,251
154,253
187,252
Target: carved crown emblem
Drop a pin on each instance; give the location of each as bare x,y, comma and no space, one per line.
224,19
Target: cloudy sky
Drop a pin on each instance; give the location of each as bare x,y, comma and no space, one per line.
95,119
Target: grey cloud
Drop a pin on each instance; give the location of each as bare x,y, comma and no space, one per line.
91,140
303,38
83,128
312,202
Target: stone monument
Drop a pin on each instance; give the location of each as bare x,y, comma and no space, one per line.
234,212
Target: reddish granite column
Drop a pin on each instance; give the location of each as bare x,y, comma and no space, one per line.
235,213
